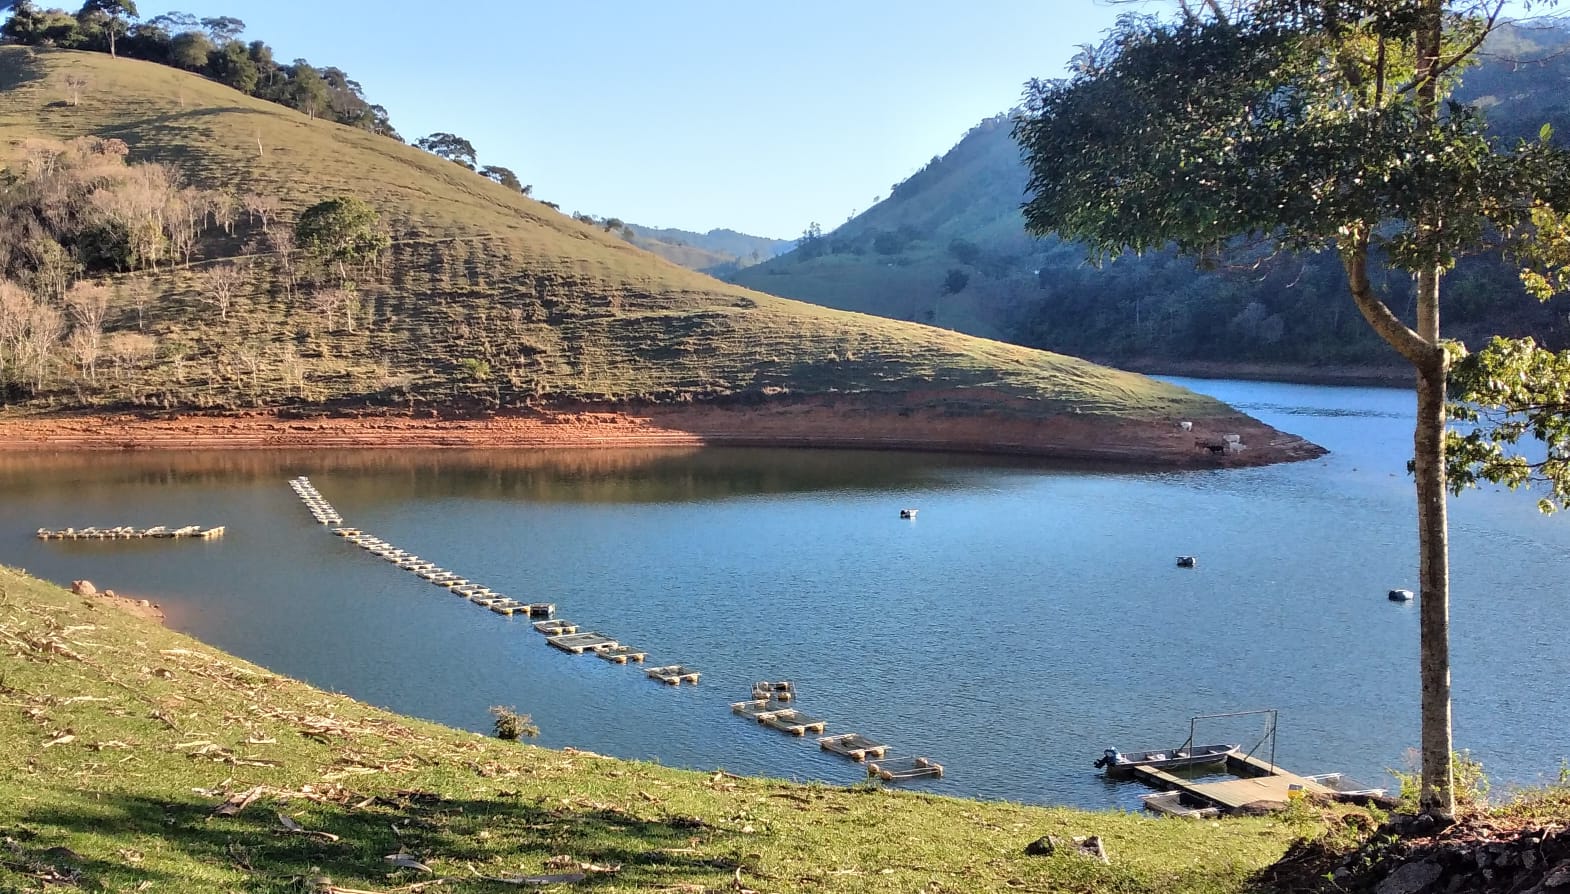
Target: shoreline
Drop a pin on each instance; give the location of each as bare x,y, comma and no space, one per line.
908,422
1291,374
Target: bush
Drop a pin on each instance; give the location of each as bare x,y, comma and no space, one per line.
511,725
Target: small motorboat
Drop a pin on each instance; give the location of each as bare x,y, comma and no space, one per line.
1186,561
1114,761
1400,595
908,513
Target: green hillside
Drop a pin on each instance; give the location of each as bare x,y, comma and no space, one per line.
948,247
484,295
121,741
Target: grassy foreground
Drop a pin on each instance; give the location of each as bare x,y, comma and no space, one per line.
120,739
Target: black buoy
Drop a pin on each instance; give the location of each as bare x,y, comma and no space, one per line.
1186,561
1400,595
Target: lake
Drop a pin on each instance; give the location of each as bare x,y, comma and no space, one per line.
1031,615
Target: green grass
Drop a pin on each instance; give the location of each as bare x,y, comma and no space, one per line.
557,309
153,730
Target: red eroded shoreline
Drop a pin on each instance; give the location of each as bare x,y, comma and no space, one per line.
895,423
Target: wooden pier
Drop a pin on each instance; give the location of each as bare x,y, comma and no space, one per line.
792,721
125,532
905,768
853,745
674,674
620,654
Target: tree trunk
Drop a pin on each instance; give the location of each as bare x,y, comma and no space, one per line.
1437,798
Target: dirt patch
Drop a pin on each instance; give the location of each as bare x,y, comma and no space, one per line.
934,421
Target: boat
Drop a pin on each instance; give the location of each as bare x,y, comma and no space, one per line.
1186,561
1114,761
908,513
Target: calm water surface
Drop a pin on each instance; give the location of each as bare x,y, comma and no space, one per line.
1031,616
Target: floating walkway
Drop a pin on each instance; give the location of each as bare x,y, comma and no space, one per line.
322,510
770,705
578,643
191,532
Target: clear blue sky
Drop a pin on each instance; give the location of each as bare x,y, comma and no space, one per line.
688,113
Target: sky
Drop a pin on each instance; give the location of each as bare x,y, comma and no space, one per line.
697,114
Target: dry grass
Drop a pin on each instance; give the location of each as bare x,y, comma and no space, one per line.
479,273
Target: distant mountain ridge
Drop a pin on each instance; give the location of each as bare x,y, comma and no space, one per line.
948,247
719,252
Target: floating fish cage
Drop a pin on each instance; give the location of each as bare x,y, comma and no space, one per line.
901,769
793,721
674,674
757,708
555,627
782,690
578,643
854,746
620,654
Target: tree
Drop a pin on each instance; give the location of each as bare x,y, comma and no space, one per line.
231,65
220,284
223,29
342,231
306,91
451,147
1303,125
503,176
75,83
114,12
955,282
191,51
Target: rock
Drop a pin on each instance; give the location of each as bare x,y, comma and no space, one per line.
83,588
107,594
1091,847
1045,846
1559,877
145,603
1410,879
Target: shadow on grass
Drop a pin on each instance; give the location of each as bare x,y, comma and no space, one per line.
115,841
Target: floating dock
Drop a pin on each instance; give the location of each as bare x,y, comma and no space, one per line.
1177,804
125,532
321,510
854,746
578,643
674,674
780,690
1257,784
792,721
904,768
620,654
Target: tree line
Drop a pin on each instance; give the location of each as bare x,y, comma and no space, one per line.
207,46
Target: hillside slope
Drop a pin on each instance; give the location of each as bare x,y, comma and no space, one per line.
121,741
949,247
487,298
717,252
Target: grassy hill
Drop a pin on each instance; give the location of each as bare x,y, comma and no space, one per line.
484,295
948,247
120,741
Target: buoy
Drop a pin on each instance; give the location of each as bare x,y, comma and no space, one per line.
1186,561
908,513
1400,595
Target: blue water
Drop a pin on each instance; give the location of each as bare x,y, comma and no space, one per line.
1031,616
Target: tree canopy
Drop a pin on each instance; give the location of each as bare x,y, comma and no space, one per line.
344,231
451,147
1303,125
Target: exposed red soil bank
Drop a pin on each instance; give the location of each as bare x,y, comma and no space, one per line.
979,424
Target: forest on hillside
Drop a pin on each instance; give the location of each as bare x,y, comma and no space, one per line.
948,247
